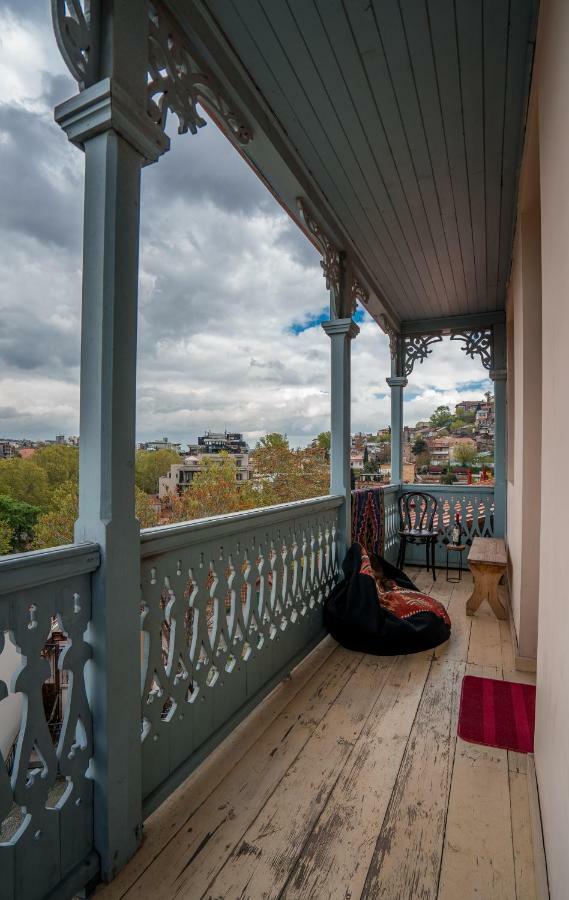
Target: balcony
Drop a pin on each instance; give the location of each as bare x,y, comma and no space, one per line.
273,762
215,742
348,780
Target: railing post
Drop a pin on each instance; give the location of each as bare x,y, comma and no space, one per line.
109,121
397,384
498,374
341,333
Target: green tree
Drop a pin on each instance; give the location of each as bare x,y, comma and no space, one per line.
324,440
55,526
20,517
23,479
150,465
419,446
6,537
60,463
441,418
274,440
464,454
448,478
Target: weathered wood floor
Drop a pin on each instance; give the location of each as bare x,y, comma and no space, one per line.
349,782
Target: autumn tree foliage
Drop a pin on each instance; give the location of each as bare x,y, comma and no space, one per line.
213,492
284,475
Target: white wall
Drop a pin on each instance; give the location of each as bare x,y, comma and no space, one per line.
552,725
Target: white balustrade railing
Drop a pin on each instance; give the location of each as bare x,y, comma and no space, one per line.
46,798
229,604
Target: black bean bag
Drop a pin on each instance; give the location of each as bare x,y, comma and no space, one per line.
377,609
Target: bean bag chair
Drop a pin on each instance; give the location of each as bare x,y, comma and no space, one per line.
377,609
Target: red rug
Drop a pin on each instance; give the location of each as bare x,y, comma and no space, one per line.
497,713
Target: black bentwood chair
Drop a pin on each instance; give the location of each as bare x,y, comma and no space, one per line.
417,513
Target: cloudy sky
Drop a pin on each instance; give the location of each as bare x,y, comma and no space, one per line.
231,292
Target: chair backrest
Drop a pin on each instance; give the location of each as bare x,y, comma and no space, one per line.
417,510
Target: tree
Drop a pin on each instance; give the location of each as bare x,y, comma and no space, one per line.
324,441
6,537
214,491
20,517
150,465
285,475
441,418
23,479
419,446
55,526
448,478
274,440
423,459
464,454
366,457
60,463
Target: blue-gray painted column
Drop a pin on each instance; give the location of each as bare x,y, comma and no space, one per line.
108,120
397,385
498,375
341,333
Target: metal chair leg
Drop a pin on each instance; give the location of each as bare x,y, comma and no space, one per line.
402,550
433,554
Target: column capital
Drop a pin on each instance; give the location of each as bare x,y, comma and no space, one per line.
106,106
397,381
498,374
341,326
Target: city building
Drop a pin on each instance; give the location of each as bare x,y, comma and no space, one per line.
182,474
219,442
163,444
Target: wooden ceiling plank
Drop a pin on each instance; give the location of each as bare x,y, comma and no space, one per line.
388,184
470,49
444,42
496,14
417,27
334,104
406,136
520,58
289,110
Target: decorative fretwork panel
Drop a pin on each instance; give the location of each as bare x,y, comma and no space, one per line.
391,512
475,508
224,612
46,798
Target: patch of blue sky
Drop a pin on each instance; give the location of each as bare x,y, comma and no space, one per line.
313,320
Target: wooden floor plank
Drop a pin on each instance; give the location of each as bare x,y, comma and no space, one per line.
461,624
478,856
521,834
408,851
210,832
262,861
336,857
170,817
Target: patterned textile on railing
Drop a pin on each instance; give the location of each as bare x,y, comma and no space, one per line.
368,519
46,806
226,606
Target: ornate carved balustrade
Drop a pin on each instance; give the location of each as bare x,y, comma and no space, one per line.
475,507
229,604
46,800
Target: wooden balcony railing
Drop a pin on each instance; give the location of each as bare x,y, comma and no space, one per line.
46,798
228,606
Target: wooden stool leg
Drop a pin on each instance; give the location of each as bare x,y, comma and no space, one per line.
486,580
